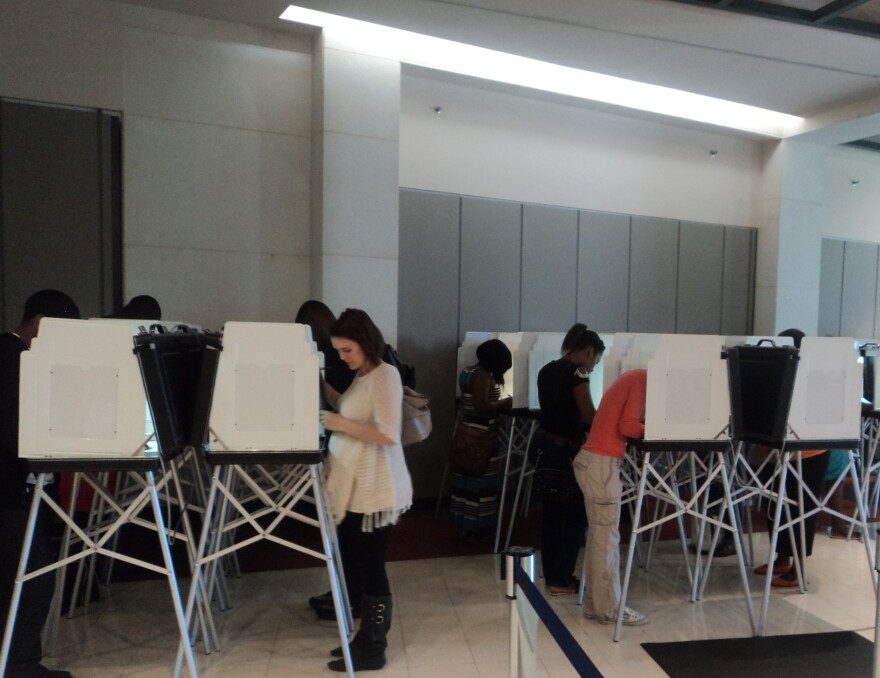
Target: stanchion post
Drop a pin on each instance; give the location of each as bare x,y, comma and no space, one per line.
525,558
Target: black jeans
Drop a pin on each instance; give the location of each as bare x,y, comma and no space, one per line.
363,558
813,469
564,521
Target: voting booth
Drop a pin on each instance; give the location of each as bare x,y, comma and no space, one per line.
101,396
683,452
266,396
264,444
792,401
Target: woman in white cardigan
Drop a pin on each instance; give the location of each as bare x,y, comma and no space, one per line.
367,481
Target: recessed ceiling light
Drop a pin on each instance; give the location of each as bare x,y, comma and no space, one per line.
478,62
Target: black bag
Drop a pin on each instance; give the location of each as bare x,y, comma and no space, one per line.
554,476
556,485
407,372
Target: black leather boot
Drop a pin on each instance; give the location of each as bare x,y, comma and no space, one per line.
368,647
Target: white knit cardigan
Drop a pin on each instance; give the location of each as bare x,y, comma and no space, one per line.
363,477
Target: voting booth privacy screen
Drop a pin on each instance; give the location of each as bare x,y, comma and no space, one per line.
178,369
97,389
761,380
109,389
267,392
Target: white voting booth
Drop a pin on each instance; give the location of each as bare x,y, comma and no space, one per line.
84,408
264,444
267,390
826,403
687,395
81,393
687,410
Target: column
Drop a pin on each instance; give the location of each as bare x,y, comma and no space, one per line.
356,113
790,238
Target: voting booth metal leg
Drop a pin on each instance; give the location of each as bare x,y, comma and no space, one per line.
95,518
784,462
90,547
525,471
870,466
53,621
630,472
279,494
172,581
517,443
504,475
205,619
337,586
20,576
207,529
740,559
633,537
722,469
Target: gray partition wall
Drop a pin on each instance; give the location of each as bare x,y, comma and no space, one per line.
858,298
549,267
470,263
849,289
491,264
830,287
653,276
428,307
603,270
700,259
738,279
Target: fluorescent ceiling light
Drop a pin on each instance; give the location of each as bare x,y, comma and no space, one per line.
478,62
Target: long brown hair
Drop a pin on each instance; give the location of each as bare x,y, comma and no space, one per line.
355,325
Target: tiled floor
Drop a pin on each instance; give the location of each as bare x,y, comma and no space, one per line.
452,619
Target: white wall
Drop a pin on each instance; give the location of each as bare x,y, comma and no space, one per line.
216,145
852,212
494,144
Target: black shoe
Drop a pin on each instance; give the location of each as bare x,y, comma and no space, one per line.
34,670
320,601
368,647
724,549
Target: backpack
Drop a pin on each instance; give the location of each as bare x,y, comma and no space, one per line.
407,372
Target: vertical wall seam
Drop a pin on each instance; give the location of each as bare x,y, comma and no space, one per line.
629,265
522,237
460,249
842,279
677,275
577,265
876,266
721,289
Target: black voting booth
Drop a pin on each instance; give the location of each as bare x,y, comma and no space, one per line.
176,367
761,381
772,391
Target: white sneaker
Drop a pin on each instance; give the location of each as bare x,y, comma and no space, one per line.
630,618
589,612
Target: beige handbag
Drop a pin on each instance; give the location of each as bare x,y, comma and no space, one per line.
416,417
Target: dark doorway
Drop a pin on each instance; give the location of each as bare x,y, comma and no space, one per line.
60,206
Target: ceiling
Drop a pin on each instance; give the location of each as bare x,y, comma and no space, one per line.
812,63
861,17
